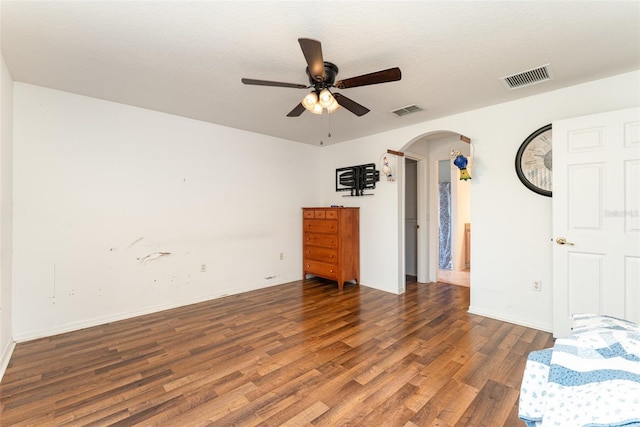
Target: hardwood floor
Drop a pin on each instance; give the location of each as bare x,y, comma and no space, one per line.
292,355
460,278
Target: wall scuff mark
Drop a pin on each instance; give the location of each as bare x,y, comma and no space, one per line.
153,256
134,242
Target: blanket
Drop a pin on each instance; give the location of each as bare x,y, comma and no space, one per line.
591,378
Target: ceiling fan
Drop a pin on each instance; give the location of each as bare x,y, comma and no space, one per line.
322,77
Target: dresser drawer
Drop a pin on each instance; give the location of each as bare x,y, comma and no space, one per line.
320,225
320,213
317,253
329,271
324,240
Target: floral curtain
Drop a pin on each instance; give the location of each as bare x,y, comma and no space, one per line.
444,227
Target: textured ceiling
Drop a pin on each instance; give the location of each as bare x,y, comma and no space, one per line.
187,58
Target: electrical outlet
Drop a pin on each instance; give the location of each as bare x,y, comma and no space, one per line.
536,285
203,268
281,256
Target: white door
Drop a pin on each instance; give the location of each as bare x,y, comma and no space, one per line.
596,209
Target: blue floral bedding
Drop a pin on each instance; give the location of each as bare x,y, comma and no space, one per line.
591,378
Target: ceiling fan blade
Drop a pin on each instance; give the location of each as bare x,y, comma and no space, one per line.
312,50
297,111
269,83
384,76
350,105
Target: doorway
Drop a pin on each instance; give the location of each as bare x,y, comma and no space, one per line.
411,219
428,150
454,226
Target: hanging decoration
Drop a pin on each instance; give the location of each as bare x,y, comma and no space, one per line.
387,166
386,169
460,161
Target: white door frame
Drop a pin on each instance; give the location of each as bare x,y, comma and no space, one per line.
423,220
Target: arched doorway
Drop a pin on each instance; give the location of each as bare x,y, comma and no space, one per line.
427,158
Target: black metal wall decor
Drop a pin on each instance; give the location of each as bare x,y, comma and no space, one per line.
357,179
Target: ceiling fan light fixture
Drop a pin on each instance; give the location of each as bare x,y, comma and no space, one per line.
317,103
310,101
333,106
325,98
317,109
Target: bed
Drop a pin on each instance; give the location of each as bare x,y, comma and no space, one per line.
591,378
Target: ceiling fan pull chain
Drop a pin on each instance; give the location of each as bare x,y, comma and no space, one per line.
321,128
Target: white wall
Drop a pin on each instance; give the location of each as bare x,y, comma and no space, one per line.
511,225
101,190
463,216
380,221
6,215
460,213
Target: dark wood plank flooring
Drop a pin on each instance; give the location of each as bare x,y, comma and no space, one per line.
290,355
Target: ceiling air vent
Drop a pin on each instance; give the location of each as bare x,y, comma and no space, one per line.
528,78
406,110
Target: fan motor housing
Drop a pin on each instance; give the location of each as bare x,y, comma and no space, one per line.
330,73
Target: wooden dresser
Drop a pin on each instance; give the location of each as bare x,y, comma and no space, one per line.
331,244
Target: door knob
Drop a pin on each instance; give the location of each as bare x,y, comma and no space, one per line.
563,241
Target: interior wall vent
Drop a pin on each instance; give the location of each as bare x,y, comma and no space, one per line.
406,110
528,78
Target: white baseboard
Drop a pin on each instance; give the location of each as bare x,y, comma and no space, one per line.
6,357
381,288
510,319
101,320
